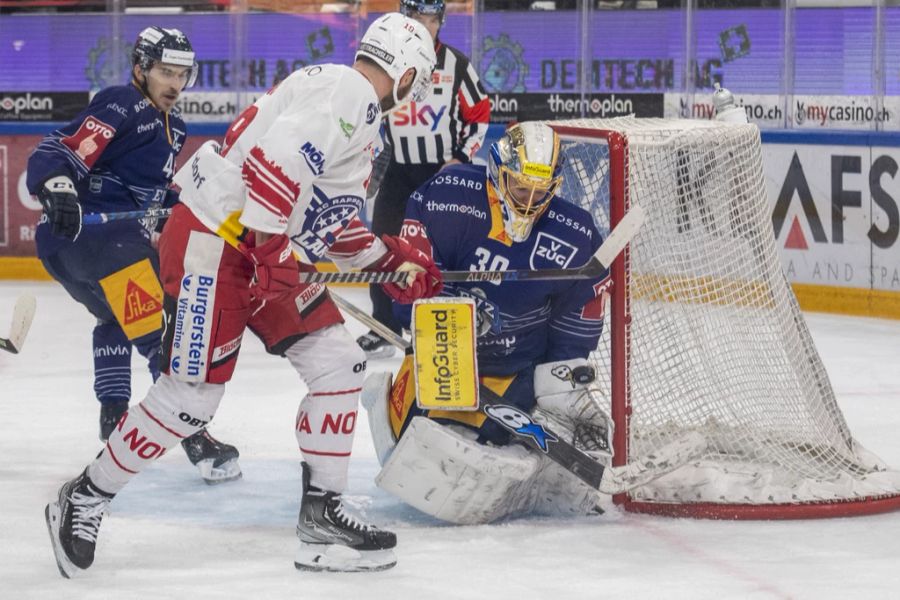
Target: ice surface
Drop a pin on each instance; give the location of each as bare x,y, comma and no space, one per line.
171,536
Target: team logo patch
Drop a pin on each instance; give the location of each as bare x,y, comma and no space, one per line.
324,218
550,252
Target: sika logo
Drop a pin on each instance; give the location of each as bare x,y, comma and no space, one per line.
139,304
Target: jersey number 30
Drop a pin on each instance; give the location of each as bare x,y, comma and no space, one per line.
489,262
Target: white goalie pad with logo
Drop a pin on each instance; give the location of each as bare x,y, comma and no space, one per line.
442,471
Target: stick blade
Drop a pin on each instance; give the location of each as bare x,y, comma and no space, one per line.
23,314
620,236
673,455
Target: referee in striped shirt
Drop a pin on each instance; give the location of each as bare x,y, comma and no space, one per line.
448,127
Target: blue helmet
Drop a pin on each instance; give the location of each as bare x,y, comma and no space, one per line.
170,46
423,7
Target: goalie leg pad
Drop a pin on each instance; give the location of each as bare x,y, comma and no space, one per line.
557,492
375,393
453,478
671,456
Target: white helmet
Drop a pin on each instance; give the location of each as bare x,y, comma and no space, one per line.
525,167
396,43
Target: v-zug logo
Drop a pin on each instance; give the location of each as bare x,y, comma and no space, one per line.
414,115
550,252
315,160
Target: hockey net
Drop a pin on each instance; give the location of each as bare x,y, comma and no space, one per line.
704,332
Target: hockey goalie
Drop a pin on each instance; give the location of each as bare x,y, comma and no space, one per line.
533,341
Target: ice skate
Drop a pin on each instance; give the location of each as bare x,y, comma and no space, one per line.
74,522
216,461
333,540
375,346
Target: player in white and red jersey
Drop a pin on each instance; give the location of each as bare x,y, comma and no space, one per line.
287,184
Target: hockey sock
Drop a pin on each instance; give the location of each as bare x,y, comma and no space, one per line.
112,363
333,367
149,347
172,411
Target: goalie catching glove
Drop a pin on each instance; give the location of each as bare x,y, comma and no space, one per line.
276,272
60,202
564,394
423,280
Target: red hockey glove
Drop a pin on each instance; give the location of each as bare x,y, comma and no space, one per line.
277,272
424,279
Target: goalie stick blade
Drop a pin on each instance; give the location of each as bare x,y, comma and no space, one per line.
619,237
673,455
23,314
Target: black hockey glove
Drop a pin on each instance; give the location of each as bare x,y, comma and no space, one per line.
60,202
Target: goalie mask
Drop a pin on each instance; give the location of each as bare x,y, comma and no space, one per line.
397,43
525,167
168,46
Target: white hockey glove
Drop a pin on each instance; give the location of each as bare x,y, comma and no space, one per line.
565,394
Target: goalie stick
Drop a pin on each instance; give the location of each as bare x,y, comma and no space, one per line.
23,313
601,259
609,480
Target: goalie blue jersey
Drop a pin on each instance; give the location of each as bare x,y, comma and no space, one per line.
521,323
120,152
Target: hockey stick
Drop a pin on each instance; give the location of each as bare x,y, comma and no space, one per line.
23,313
601,260
101,218
609,480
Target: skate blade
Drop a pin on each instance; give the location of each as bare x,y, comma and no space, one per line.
53,518
383,352
341,559
228,471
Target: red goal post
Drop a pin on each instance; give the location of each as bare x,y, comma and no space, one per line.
704,332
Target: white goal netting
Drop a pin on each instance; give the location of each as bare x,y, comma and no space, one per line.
716,341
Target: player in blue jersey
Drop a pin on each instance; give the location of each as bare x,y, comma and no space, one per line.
534,336
119,155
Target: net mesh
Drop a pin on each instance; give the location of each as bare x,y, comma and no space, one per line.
717,343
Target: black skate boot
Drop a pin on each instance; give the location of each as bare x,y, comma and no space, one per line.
110,413
375,346
74,522
216,461
332,540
